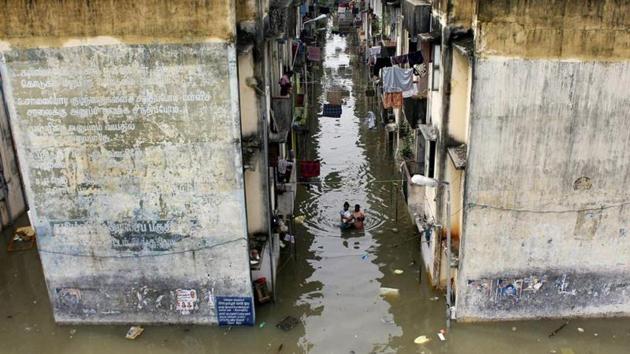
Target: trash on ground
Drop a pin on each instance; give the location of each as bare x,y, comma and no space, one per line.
580,329
421,340
555,331
398,271
23,239
288,323
441,336
134,332
25,233
387,321
389,291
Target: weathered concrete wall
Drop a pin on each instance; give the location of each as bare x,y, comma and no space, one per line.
49,23
460,12
255,175
547,216
12,203
132,164
554,29
246,10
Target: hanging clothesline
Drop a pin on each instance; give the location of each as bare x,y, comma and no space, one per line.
413,58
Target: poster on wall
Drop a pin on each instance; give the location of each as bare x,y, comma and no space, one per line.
234,311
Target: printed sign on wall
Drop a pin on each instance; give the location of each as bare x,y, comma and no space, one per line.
234,311
186,300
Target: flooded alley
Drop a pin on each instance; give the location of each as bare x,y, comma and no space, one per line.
353,291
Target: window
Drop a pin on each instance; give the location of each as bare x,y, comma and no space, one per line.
435,74
426,150
431,160
421,152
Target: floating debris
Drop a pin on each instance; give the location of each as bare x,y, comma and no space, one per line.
23,239
389,291
288,323
134,332
558,329
513,329
441,336
398,271
580,329
262,325
421,340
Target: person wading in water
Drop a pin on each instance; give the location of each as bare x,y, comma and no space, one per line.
358,217
346,216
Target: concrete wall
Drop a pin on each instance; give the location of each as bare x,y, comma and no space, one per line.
130,149
546,218
255,176
457,134
554,29
12,203
549,210
131,160
52,23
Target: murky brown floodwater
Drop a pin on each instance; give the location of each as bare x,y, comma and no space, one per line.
332,285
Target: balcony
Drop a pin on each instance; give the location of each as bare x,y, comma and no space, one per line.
277,24
286,193
282,107
417,16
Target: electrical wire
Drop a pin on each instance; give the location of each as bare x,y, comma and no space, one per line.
140,255
548,211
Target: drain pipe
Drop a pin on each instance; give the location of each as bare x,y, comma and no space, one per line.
447,63
449,289
266,104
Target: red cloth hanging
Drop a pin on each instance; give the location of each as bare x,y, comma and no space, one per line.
309,169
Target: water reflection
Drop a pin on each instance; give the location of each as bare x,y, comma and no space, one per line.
345,261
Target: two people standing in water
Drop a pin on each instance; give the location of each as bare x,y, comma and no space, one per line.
351,219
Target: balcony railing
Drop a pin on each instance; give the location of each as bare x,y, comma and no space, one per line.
282,107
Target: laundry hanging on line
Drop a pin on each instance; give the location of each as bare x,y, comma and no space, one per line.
375,51
392,100
332,110
411,92
415,58
334,97
309,169
399,60
373,54
314,53
381,63
396,79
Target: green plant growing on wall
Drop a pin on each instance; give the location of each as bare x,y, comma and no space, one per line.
376,28
406,151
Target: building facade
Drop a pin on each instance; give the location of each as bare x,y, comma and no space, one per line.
148,143
526,119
